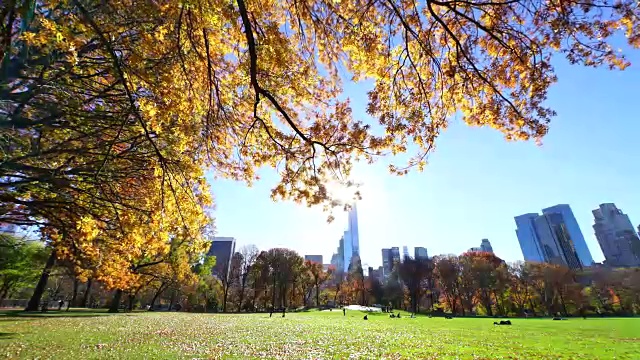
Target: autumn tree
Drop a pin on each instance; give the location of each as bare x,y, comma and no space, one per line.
447,270
484,271
248,255
96,95
318,276
230,276
520,287
375,290
626,289
415,274
236,86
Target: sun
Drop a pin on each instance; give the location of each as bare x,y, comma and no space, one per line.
343,193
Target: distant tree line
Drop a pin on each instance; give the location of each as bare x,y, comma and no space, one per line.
479,283
474,283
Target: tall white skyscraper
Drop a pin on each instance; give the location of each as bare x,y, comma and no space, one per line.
351,239
616,236
405,253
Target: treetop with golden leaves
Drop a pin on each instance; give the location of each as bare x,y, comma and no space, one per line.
97,94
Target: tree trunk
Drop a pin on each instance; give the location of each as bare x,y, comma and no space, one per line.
85,298
34,302
564,306
292,299
161,289
413,303
317,295
173,298
283,299
489,308
4,292
74,294
244,285
115,303
132,297
253,299
224,298
273,292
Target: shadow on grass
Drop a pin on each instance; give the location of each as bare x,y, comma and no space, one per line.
14,314
4,335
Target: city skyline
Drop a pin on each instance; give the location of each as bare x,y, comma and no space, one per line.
475,182
547,219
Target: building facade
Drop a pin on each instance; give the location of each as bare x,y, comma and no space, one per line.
573,231
485,246
617,237
557,243
405,253
395,257
351,240
390,259
337,260
553,237
420,253
223,249
313,258
528,239
386,262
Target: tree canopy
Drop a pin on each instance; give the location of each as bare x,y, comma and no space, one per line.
98,92
110,111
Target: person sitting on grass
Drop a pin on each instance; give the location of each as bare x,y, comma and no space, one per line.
366,317
503,322
392,316
398,316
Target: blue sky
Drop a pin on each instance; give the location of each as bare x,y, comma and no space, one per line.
475,182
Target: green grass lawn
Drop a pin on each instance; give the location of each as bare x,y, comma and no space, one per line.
312,335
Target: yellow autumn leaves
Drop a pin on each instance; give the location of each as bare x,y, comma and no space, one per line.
139,99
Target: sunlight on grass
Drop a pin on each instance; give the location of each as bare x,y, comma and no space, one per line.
325,335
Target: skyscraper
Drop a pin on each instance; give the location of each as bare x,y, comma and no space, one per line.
337,260
395,257
528,239
386,262
557,243
222,248
553,237
351,240
616,236
573,231
353,230
420,253
485,245
405,253
313,258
